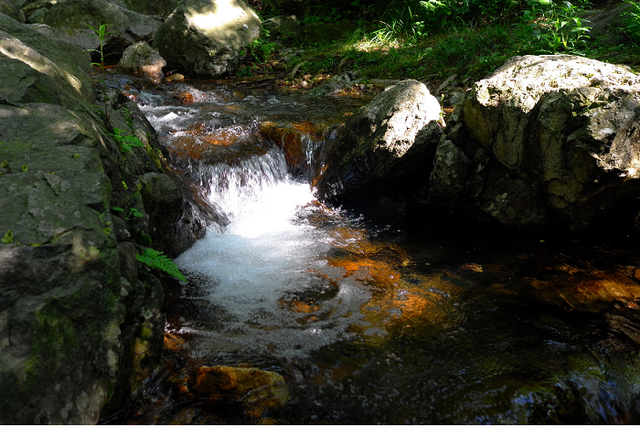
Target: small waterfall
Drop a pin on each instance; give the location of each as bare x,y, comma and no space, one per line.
450,326
266,273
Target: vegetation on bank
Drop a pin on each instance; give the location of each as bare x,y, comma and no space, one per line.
434,39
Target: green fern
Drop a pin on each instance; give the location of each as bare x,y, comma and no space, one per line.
158,260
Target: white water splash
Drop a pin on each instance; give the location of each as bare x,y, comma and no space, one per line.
269,257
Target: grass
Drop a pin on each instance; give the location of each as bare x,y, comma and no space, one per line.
396,50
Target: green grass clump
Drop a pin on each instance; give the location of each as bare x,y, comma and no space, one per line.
434,39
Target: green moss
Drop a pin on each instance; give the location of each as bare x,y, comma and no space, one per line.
112,302
146,333
155,155
54,340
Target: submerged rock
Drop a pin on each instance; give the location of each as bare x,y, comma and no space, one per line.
258,391
206,37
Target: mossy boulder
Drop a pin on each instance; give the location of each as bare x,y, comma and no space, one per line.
70,20
81,319
207,37
554,139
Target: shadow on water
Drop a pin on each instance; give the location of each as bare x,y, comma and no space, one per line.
437,322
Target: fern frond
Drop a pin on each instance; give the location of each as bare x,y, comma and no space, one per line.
158,260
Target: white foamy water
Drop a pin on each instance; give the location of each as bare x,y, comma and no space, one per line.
267,270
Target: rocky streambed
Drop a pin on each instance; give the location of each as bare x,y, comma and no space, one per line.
391,263
297,311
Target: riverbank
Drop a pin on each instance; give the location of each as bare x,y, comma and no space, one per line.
300,54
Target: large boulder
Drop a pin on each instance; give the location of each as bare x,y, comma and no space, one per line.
382,140
544,142
70,20
81,318
207,37
553,139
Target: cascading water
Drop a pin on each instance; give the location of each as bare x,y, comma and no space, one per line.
269,257
457,325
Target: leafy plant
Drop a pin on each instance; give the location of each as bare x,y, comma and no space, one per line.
555,27
158,260
101,32
126,142
261,48
632,18
8,237
133,212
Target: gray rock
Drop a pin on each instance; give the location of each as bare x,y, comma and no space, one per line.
376,140
140,59
70,19
448,177
56,72
336,84
74,300
206,37
565,125
152,7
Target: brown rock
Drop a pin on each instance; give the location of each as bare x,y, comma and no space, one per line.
257,390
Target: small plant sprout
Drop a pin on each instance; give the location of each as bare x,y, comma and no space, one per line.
8,237
101,32
126,142
133,212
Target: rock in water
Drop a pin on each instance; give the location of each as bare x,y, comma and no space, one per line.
379,140
257,390
206,37
140,59
562,131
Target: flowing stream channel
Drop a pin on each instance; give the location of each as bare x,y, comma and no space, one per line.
369,323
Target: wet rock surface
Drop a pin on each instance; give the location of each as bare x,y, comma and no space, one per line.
545,141
82,319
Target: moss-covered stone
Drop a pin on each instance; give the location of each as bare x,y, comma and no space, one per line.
69,319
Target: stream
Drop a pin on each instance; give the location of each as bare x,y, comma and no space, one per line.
438,322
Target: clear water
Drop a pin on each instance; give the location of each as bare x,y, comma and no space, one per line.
437,323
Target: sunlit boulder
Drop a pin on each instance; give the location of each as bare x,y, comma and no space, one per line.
207,37
547,140
382,140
